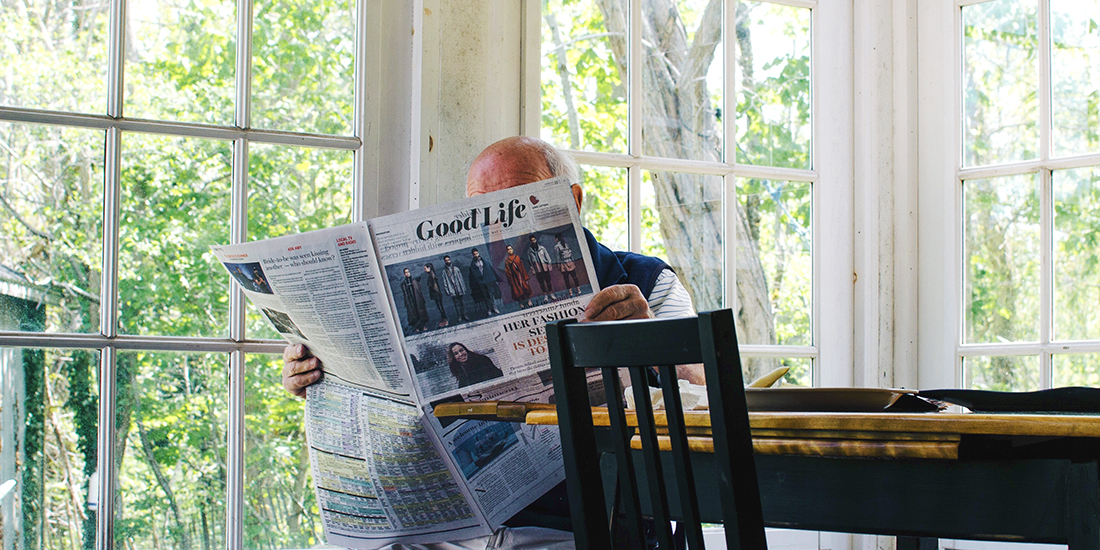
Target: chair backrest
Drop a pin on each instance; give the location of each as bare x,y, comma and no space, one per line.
639,345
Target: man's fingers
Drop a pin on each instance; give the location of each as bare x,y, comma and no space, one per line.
291,368
297,384
300,369
618,302
295,352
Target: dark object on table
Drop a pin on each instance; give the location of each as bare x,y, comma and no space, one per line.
1057,400
636,345
793,398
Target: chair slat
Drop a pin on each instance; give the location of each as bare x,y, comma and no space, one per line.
651,457
628,485
578,440
649,344
691,523
739,490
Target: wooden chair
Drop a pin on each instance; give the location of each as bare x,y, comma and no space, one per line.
637,345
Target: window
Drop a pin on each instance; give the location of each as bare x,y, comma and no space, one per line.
1027,171
131,141
705,155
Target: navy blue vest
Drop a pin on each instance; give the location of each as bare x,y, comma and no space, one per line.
617,268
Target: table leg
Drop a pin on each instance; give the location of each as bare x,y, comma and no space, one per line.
917,543
1083,506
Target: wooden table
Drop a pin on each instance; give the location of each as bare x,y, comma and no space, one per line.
916,476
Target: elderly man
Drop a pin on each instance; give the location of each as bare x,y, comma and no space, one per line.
633,287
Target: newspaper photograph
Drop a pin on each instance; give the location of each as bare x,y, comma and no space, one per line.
475,282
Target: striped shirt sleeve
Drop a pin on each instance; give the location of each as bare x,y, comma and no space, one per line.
669,297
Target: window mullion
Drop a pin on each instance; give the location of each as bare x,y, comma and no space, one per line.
636,110
1046,275
731,73
1046,197
108,326
238,233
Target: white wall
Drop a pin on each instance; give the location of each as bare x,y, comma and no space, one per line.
472,83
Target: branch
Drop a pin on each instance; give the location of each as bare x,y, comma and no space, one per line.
701,54
566,86
185,538
23,222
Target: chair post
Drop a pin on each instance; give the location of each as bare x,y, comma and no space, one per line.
729,421
588,513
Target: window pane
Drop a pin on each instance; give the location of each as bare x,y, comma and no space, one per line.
1075,76
605,206
1002,259
281,507
62,55
48,425
171,416
303,66
175,204
1076,370
800,373
682,224
583,75
1000,82
1002,373
51,186
1076,254
181,60
773,94
292,190
682,82
779,233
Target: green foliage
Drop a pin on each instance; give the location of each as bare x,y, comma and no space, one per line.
175,202
303,65
595,79
34,436
773,100
784,241
1003,258
1000,90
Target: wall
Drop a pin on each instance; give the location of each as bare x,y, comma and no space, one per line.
471,82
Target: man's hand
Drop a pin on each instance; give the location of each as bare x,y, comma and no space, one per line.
618,302
300,369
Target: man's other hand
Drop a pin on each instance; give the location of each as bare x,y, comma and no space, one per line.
300,369
618,302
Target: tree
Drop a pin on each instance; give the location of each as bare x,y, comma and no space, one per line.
681,121
172,410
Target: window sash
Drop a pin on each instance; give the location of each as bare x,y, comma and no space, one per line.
109,342
636,162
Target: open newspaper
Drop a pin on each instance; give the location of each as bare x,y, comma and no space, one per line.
441,304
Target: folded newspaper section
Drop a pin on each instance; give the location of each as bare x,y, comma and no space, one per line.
442,304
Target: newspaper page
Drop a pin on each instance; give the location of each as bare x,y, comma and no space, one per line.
324,289
379,475
474,284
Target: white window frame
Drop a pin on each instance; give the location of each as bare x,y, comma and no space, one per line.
832,171
384,159
942,349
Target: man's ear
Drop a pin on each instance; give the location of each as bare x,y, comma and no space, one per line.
578,195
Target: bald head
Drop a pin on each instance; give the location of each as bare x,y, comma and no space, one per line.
507,163
519,160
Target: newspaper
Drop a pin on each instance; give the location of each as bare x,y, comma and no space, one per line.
441,304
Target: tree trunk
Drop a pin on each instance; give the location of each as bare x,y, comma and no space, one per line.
147,448
680,122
